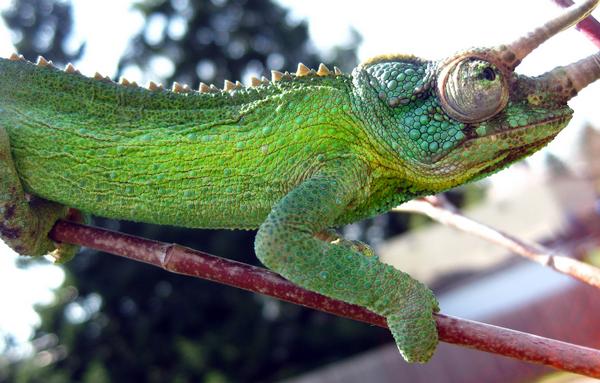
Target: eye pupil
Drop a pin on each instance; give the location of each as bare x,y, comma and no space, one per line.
489,74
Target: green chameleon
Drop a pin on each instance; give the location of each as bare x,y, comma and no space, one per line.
294,156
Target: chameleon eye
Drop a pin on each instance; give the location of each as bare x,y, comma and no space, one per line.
472,90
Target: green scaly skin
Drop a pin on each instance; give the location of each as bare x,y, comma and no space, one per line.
293,157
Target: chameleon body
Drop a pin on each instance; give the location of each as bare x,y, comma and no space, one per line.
293,156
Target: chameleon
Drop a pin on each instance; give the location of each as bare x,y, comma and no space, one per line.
294,156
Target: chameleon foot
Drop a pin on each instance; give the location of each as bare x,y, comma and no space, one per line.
25,221
35,227
414,330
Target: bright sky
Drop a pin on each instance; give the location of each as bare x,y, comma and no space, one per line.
430,29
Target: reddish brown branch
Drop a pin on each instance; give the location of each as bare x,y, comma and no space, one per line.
589,27
182,260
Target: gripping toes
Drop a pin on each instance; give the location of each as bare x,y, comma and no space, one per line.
25,226
413,327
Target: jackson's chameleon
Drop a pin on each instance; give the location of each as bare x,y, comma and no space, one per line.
294,156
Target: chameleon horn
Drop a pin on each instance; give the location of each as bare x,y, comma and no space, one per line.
519,49
566,81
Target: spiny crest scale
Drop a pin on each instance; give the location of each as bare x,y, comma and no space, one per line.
180,88
228,85
132,84
276,75
153,86
203,88
16,57
323,70
41,61
255,81
302,70
70,68
99,77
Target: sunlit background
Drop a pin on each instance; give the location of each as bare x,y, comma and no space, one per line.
431,29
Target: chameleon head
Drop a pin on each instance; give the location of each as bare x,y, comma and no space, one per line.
469,115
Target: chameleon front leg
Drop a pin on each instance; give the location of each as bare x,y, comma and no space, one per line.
293,243
25,222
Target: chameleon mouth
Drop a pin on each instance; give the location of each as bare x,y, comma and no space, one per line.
545,130
514,154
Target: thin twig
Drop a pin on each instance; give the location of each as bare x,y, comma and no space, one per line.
182,260
440,211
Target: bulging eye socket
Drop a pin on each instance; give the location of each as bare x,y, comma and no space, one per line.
472,89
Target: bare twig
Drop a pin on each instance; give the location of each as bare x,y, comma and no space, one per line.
441,211
182,260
